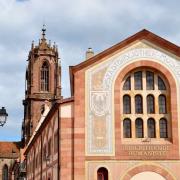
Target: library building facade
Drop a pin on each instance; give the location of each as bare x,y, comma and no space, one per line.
122,121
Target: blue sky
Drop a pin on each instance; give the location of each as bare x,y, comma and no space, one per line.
74,26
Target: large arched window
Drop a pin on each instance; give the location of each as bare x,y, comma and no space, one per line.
102,174
45,77
163,128
150,104
126,104
5,172
144,104
151,128
127,128
138,104
139,128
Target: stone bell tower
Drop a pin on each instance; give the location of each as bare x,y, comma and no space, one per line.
43,83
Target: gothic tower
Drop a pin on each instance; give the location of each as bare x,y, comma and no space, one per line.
43,83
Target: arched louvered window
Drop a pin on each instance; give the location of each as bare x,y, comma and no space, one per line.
138,104
162,104
150,104
163,126
139,128
138,80
5,172
127,128
151,128
127,84
45,77
102,174
149,80
126,104
161,84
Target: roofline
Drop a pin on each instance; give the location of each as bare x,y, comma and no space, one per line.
46,120
143,34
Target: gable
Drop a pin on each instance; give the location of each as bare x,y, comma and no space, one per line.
99,90
143,35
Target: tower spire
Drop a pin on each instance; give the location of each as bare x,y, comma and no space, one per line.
43,32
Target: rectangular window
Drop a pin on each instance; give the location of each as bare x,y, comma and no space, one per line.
149,80
138,80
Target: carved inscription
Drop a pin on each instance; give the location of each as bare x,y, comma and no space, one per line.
148,151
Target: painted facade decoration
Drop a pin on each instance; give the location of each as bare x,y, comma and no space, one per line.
97,133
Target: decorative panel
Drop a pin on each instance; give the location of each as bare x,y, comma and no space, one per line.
100,96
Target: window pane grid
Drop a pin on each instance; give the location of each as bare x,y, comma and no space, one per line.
148,84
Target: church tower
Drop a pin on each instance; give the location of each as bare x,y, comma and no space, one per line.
43,83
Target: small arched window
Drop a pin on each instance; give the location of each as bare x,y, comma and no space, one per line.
139,128
126,104
163,128
5,172
127,128
162,104
138,104
151,128
45,77
102,174
150,104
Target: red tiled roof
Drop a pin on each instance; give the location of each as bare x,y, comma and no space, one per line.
9,149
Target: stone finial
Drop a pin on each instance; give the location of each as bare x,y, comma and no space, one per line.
89,53
43,32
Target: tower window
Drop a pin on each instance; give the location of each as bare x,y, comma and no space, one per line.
45,77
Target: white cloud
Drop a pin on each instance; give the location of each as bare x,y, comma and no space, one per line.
75,26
